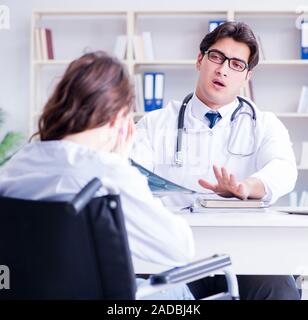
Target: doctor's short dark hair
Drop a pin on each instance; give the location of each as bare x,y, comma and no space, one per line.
93,89
238,31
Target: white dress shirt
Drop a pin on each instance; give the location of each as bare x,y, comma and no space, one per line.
272,161
44,169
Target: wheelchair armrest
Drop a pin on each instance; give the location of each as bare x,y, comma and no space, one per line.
191,272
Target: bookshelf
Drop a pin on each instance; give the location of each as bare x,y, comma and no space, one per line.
276,81
73,33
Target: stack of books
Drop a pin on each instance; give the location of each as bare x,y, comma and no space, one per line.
143,47
233,203
120,46
214,203
43,44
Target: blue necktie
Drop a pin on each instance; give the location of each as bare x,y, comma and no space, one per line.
213,118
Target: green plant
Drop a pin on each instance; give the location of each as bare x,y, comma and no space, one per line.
11,142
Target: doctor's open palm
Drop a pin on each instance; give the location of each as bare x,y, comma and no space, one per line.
227,186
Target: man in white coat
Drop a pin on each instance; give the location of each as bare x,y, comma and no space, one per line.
228,145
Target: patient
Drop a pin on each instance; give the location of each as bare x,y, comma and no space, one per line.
86,131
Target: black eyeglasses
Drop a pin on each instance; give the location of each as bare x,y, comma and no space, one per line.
218,57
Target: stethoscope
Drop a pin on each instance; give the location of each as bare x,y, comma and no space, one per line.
178,159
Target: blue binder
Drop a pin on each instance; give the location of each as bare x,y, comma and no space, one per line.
153,90
214,24
304,39
159,90
148,91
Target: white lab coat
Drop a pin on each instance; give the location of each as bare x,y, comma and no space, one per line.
273,161
49,168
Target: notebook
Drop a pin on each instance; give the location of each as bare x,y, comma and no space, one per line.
160,186
232,203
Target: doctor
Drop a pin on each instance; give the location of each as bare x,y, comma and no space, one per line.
225,144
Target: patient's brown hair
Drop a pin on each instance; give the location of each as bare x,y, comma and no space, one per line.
93,90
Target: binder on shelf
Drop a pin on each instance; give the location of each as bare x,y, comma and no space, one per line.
154,83
139,107
213,24
303,101
148,46
138,47
304,39
159,86
148,91
120,47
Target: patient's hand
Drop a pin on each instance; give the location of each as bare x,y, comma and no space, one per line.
125,138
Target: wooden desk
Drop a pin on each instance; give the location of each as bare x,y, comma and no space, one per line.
259,242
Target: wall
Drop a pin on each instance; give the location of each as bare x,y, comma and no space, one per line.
14,53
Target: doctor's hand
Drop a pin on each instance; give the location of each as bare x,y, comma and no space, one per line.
227,186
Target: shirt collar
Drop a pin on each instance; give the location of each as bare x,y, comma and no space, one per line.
199,109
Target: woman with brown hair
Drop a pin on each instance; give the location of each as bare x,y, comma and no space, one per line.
85,131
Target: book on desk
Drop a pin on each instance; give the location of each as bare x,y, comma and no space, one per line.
215,203
232,203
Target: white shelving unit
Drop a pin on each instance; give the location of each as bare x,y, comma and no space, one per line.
73,33
276,81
